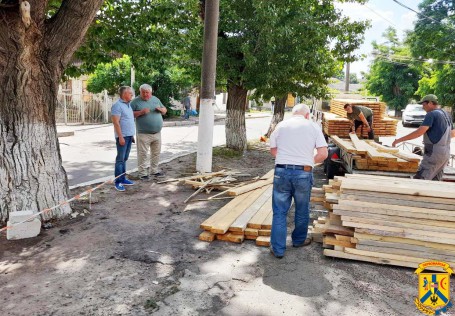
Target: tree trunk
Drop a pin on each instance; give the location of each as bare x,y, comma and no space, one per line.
32,59
278,114
235,118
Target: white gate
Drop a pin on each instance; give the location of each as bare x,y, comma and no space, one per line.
83,108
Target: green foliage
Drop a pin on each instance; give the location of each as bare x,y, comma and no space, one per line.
353,78
226,152
432,38
110,76
395,81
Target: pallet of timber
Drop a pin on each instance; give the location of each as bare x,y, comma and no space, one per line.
395,221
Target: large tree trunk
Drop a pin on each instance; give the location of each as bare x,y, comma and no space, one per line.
235,118
32,60
278,114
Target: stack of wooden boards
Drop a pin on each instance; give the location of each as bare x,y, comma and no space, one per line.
369,155
336,123
248,215
386,220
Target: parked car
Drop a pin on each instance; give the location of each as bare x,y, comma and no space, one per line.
413,114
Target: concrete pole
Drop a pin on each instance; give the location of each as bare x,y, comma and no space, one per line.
347,79
208,75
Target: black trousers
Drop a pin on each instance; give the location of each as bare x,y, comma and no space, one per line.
357,124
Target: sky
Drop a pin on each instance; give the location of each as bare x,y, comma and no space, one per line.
382,14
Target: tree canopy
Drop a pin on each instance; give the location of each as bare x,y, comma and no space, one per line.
392,75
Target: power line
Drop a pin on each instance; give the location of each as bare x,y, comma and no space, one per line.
418,13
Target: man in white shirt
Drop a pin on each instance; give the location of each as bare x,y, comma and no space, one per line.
293,145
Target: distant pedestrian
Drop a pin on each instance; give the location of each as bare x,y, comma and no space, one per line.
148,111
292,143
360,116
437,130
124,129
272,102
187,106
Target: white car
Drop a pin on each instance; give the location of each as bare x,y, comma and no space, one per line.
413,114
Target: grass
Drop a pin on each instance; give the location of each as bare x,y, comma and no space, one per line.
226,152
150,304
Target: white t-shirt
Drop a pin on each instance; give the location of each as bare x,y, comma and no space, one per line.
295,139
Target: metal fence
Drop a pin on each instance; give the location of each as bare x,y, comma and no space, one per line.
83,108
413,147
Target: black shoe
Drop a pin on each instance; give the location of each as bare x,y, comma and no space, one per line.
158,174
273,254
144,177
304,244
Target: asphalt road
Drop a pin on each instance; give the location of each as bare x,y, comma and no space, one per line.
90,153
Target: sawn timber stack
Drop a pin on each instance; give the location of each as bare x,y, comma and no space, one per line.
336,123
248,215
394,221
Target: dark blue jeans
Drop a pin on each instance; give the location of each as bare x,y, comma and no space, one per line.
122,156
288,184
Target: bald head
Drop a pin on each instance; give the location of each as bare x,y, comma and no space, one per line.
301,109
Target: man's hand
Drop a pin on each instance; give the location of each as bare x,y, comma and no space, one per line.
121,141
145,111
368,128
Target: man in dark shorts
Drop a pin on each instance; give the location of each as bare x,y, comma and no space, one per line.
360,115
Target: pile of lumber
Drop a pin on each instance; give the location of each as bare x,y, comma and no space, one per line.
222,181
369,155
336,123
248,215
386,220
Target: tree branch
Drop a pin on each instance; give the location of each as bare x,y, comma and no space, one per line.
66,30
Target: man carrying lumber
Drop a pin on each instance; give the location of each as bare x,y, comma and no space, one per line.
437,131
360,116
293,145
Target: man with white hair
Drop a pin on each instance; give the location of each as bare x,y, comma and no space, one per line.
148,111
293,144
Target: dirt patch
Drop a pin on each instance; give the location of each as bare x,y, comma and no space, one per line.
137,253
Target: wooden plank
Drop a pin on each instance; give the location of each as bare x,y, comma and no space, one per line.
391,223
407,232
263,241
394,181
346,145
362,237
390,209
349,256
207,236
250,237
343,238
267,223
404,234
433,223
241,222
223,224
335,242
251,232
238,239
257,220
371,197
340,230
382,148
209,222
405,252
264,232
388,256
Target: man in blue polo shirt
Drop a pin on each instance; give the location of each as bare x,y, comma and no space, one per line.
124,129
437,131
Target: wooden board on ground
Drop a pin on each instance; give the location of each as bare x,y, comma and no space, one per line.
241,222
257,220
207,236
231,237
263,241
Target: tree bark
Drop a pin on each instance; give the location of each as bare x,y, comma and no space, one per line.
278,114
235,118
32,60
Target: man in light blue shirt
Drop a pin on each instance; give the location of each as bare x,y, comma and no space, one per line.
124,129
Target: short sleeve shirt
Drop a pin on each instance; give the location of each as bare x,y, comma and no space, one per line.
437,121
356,110
295,140
124,110
152,122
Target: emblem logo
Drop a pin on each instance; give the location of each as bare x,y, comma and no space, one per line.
434,288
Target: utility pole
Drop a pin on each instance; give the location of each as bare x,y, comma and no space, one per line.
208,75
347,78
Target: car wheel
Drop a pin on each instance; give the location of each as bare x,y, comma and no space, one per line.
406,124
332,170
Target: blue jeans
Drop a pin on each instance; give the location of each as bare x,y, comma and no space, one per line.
187,113
122,156
288,184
